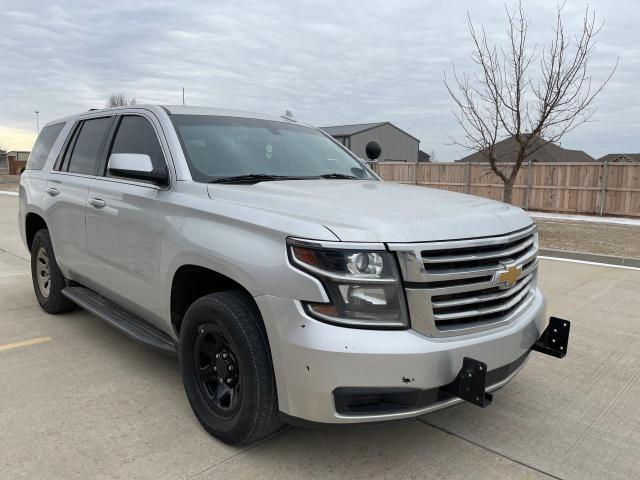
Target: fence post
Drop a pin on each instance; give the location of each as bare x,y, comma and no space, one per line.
468,179
415,173
603,193
526,200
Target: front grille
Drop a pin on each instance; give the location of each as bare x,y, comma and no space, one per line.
455,287
472,307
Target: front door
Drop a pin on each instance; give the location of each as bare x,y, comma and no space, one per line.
125,221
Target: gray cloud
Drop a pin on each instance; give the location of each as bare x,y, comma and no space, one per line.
329,62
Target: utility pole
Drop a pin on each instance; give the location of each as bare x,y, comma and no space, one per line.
182,95
37,121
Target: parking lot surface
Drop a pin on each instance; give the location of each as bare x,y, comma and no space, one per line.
79,400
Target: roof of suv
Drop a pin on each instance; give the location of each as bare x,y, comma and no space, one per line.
220,112
183,110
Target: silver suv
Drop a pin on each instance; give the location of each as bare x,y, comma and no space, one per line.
292,283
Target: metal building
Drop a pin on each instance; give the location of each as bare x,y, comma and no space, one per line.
397,145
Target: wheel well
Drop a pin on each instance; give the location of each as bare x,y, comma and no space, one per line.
33,223
191,282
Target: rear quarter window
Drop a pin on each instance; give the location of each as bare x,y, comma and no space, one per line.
43,145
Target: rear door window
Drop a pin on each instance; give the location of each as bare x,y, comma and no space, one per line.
43,145
89,145
135,134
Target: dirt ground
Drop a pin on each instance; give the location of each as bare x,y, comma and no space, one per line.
599,238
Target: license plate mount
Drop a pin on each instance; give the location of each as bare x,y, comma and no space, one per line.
554,340
470,383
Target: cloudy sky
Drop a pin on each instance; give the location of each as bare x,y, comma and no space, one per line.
329,62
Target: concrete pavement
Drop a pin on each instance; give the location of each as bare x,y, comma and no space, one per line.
86,402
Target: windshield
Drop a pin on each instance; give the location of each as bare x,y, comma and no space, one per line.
223,147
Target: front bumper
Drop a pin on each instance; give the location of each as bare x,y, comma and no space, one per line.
313,359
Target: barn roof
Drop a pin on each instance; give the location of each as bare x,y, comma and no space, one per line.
349,130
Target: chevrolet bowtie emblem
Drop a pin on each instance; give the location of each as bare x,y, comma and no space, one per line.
509,276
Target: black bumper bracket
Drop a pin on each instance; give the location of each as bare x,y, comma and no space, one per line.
555,339
470,383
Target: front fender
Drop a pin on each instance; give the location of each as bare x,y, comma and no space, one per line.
251,255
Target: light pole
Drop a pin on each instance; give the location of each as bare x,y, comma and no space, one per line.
37,120
182,95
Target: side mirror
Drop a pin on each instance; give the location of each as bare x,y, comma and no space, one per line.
136,166
358,172
373,150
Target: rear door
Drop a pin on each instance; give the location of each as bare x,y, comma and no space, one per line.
125,221
65,201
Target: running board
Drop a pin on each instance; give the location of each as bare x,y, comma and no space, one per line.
121,319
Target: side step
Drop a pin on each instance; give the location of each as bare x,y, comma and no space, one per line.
121,319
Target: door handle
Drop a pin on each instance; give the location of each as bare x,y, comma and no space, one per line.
97,202
52,191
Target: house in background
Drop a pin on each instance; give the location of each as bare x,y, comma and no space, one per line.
397,145
507,148
16,161
423,157
621,158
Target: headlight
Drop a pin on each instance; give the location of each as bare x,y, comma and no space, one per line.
364,287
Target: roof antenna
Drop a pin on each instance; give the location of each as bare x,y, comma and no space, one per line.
288,116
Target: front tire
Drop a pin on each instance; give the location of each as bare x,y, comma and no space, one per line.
226,368
47,278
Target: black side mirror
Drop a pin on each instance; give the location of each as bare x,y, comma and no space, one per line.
373,150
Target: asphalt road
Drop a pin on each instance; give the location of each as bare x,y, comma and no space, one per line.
80,401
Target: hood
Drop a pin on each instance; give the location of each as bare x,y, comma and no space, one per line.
372,211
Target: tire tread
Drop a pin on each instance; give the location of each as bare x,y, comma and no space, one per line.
55,302
263,419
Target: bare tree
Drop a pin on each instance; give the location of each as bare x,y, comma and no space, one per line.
532,94
119,100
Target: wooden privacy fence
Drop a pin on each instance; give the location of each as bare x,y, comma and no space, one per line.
592,188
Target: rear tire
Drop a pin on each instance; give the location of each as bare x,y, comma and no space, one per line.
226,368
47,278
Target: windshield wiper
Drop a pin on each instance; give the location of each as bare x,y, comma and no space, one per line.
339,176
263,177
254,178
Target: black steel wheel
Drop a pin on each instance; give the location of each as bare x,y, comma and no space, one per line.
218,369
226,368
